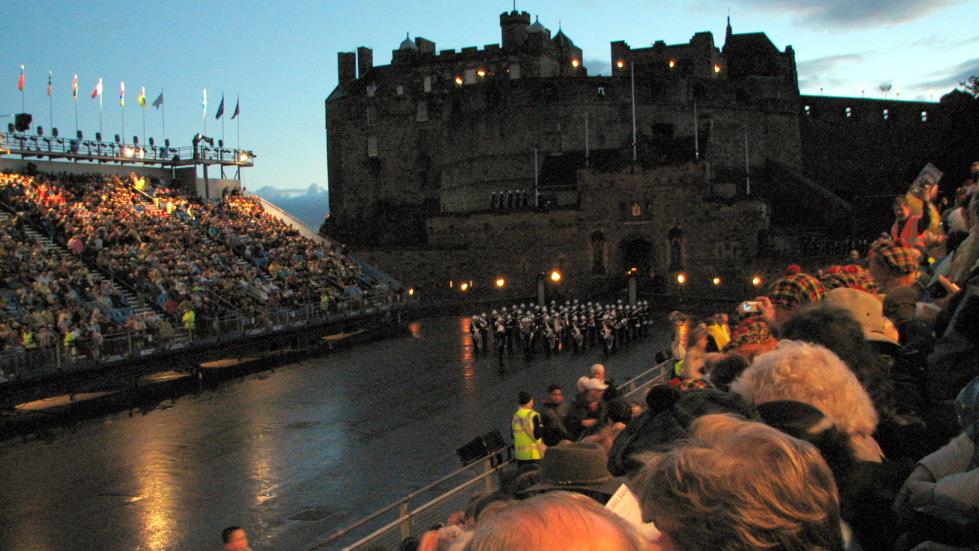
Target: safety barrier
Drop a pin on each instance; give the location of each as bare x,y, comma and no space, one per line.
410,521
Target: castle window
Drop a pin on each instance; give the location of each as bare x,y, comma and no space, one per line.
806,110
514,71
372,147
924,116
371,115
371,90
887,114
600,92
421,114
427,84
470,76
400,90
849,112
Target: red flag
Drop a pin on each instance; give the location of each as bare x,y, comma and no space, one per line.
20,81
97,91
74,87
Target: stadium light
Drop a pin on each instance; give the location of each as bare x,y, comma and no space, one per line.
481,72
459,80
575,63
681,278
620,64
716,281
717,68
411,291
555,276
500,282
756,281
672,64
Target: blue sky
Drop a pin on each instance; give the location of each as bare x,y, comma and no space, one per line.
281,56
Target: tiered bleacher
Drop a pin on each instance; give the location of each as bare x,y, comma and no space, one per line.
75,245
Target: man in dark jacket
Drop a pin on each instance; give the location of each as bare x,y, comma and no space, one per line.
553,412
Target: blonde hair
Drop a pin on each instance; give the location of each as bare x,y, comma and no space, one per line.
556,521
814,375
742,485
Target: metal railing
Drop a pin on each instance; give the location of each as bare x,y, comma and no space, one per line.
44,361
54,147
437,509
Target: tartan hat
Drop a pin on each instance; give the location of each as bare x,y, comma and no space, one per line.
795,290
753,330
897,259
847,277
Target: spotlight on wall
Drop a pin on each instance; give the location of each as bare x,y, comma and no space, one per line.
500,282
716,280
681,278
555,276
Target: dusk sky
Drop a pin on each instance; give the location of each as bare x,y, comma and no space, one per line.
280,57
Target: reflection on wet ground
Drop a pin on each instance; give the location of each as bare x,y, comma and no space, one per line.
290,455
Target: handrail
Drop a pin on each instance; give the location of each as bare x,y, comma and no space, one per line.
424,507
344,531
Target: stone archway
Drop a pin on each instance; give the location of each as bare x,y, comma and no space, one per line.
637,252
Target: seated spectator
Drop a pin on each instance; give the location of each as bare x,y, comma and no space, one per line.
666,420
813,375
866,489
576,467
556,521
752,337
741,485
725,369
786,295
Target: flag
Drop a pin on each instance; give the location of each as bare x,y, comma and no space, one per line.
21,81
50,89
158,101
237,111
97,91
204,102
122,94
141,99
220,108
74,87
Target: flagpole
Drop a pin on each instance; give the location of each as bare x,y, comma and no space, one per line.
144,123
122,109
100,113
75,100
50,112
23,102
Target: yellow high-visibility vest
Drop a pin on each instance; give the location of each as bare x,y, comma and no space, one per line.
525,447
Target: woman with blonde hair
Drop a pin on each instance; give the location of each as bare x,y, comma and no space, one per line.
740,485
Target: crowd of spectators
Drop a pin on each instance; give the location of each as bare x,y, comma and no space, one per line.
193,261
837,411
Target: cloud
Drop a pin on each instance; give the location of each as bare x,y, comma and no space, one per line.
951,77
597,66
309,205
943,42
847,14
821,65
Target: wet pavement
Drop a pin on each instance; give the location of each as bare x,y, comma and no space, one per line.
291,455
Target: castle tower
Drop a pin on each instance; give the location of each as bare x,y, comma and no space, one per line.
513,26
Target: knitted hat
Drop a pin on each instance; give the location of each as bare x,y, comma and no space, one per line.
752,330
795,290
897,259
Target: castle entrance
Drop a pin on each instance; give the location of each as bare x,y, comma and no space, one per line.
637,252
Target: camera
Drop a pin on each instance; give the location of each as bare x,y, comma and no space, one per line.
749,307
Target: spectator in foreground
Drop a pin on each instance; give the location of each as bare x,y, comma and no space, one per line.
556,521
740,485
235,539
813,375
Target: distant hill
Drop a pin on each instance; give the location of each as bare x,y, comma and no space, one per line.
309,205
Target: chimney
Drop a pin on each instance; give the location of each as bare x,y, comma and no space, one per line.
346,67
365,61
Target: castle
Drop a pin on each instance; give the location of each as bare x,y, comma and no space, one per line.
464,165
